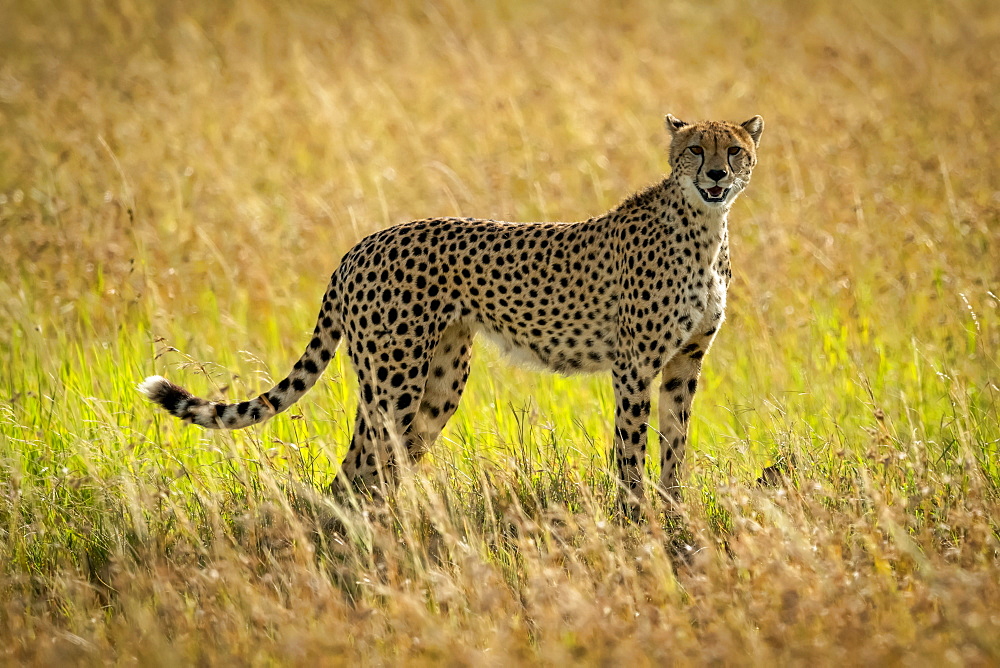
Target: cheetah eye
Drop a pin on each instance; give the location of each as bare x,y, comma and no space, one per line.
697,150
734,150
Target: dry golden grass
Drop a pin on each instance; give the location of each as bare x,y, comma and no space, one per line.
178,179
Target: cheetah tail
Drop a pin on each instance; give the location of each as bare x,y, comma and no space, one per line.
215,415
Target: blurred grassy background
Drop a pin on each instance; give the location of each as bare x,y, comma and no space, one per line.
178,180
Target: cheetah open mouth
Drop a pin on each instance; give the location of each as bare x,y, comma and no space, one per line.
713,194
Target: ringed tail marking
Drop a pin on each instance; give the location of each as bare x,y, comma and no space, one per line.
217,415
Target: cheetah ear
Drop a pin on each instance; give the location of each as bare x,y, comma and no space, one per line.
754,127
674,124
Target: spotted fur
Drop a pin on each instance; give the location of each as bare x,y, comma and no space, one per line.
639,291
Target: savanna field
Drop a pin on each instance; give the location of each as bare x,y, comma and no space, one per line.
178,180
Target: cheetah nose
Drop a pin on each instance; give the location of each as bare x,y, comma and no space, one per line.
717,174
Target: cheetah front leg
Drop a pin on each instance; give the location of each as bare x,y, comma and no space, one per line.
677,389
632,395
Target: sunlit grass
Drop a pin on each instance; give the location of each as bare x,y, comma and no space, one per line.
178,180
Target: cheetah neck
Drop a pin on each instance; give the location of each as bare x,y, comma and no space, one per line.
664,210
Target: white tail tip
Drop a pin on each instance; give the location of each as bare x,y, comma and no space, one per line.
150,386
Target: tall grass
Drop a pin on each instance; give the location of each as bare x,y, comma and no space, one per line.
177,180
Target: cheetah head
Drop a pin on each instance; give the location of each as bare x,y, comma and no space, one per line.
713,159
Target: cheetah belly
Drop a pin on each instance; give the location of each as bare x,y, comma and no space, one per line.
591,353
521,355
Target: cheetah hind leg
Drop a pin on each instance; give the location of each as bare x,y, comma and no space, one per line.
446,378
367,468
386,431
389,393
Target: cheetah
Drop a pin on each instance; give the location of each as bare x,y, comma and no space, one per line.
639,291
